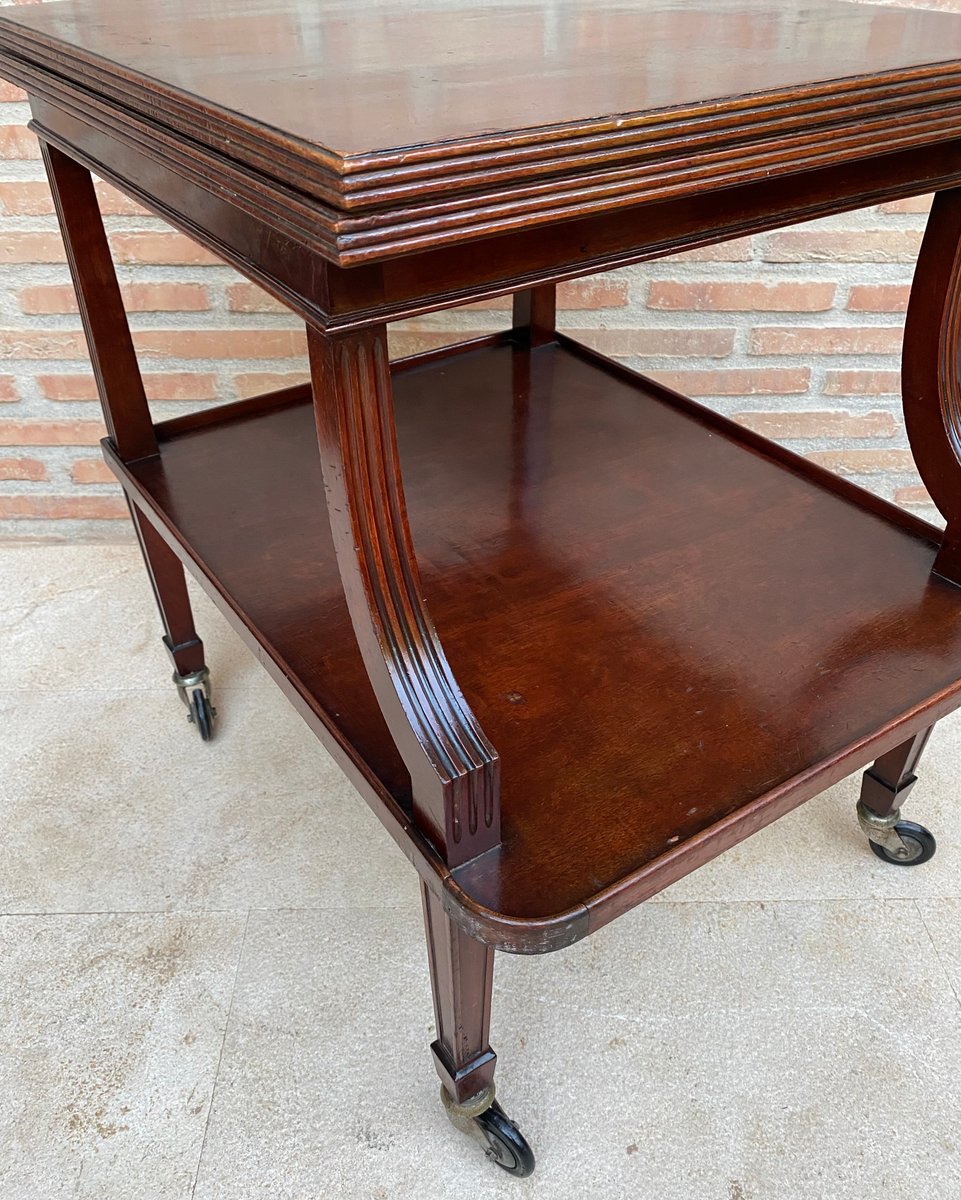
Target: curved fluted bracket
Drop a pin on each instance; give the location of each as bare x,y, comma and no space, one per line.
931,372
454,769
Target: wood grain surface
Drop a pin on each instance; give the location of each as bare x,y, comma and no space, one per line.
670,636
462,120
354,79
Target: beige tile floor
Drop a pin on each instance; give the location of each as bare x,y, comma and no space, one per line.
213,982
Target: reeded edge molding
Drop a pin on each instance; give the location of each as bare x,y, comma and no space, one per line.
508,281
350,241
383,204
659,136
428,226
889,181
309,221
827,99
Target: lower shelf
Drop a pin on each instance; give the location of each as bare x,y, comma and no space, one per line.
669,633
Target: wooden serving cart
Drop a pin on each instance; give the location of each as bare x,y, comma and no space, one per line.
570,634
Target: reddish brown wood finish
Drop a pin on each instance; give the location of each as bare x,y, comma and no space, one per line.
535,315
126,413
888,782
931,371
320,102
673,631
340,90
119,384
269,247
462,978
799,610
454,770
166,574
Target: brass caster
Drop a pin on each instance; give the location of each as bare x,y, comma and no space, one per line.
483,1119
902,843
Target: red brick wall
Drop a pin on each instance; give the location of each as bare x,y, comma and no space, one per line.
794,333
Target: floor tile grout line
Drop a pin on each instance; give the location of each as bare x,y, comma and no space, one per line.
391,906
156,690
855,898
220,1056
937,953
236,910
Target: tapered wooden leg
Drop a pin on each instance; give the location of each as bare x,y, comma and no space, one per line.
461,975
125,408
884,789
887,783
112,356
166,574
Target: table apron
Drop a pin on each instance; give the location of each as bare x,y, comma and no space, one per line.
278,254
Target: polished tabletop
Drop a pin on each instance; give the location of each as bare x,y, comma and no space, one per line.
352,77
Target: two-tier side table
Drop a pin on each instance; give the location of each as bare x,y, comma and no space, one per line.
570,634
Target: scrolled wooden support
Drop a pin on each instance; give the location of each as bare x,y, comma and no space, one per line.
455,772
931,372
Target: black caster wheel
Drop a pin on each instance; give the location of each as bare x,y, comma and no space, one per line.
201,714
195,692
919,846
506,1145
483,1119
